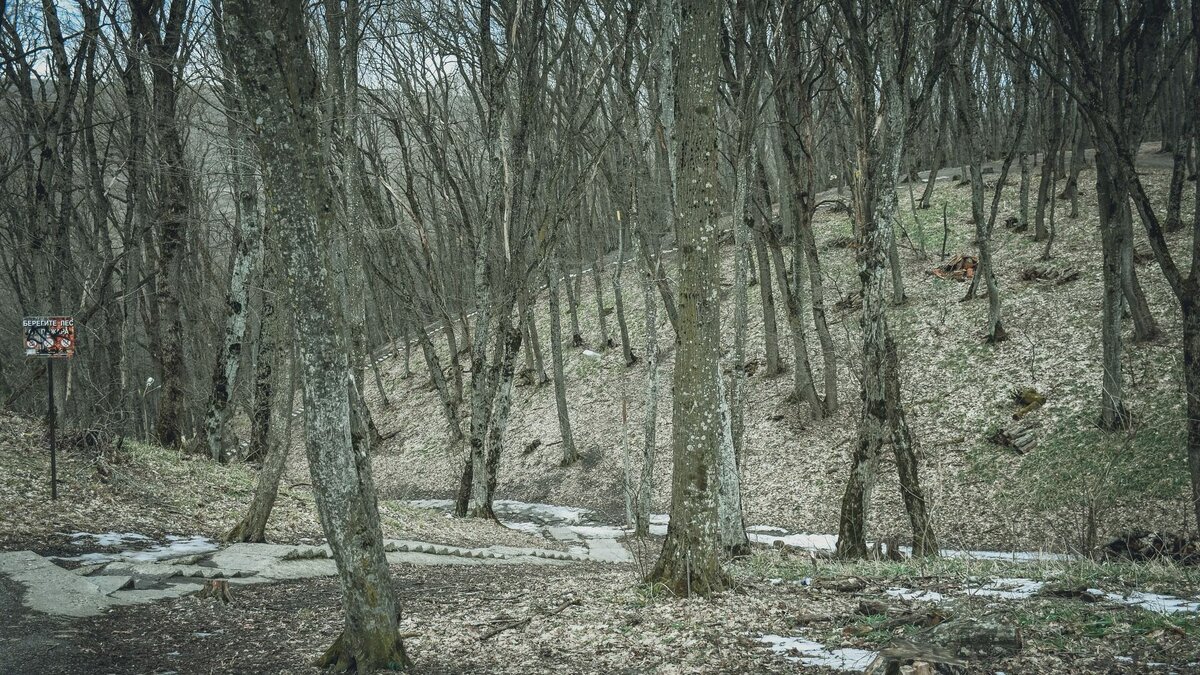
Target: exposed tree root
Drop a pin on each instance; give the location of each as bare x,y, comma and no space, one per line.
340,659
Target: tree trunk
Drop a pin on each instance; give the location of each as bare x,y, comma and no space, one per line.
601,319
570,454
689,563
1110,201
253,526
278,74
767,299
650,422
572,287
618,300
804,388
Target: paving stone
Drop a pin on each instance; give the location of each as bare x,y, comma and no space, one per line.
50,588
111,584
608,550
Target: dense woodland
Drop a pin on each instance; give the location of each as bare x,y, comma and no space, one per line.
247,206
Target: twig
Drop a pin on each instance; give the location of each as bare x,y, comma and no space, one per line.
560,608
496,631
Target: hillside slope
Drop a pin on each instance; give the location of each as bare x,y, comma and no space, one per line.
956,388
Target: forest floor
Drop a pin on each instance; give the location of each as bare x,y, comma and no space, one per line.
788,609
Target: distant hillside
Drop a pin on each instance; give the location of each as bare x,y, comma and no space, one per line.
957,391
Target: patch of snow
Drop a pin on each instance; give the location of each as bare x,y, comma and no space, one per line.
1151,602
766,528
175,547
1008,589
592,355
598,531
660,518
443,504
1014,556
531,528
108,538
810,542
909,594
1147,664
548,514
814,654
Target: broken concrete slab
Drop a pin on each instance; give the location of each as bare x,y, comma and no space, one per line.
562,533
111,584
145,575
253,558
608,550
283,570
50,588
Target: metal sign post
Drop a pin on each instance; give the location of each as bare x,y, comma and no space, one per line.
50,422
50,337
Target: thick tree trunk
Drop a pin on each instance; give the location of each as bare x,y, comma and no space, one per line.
689,563
278,74
1191,377
248,253
1111,201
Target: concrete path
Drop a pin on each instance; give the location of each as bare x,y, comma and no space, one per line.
93,589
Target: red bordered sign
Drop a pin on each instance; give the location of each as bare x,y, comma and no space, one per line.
49,336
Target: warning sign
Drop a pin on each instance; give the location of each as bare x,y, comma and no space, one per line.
49,336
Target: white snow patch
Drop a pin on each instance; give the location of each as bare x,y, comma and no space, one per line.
531,528
108,538
1147,664
599,531
1151,602
431,503
1008,589
814,654
548,513
909,594
175,547
811,542
766,528
592,355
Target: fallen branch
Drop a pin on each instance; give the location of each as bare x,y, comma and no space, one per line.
496,631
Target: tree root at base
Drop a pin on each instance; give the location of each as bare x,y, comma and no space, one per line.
339,659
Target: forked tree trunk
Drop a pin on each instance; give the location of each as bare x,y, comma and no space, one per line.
881,143
253,526
278,74
804,388
483,488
